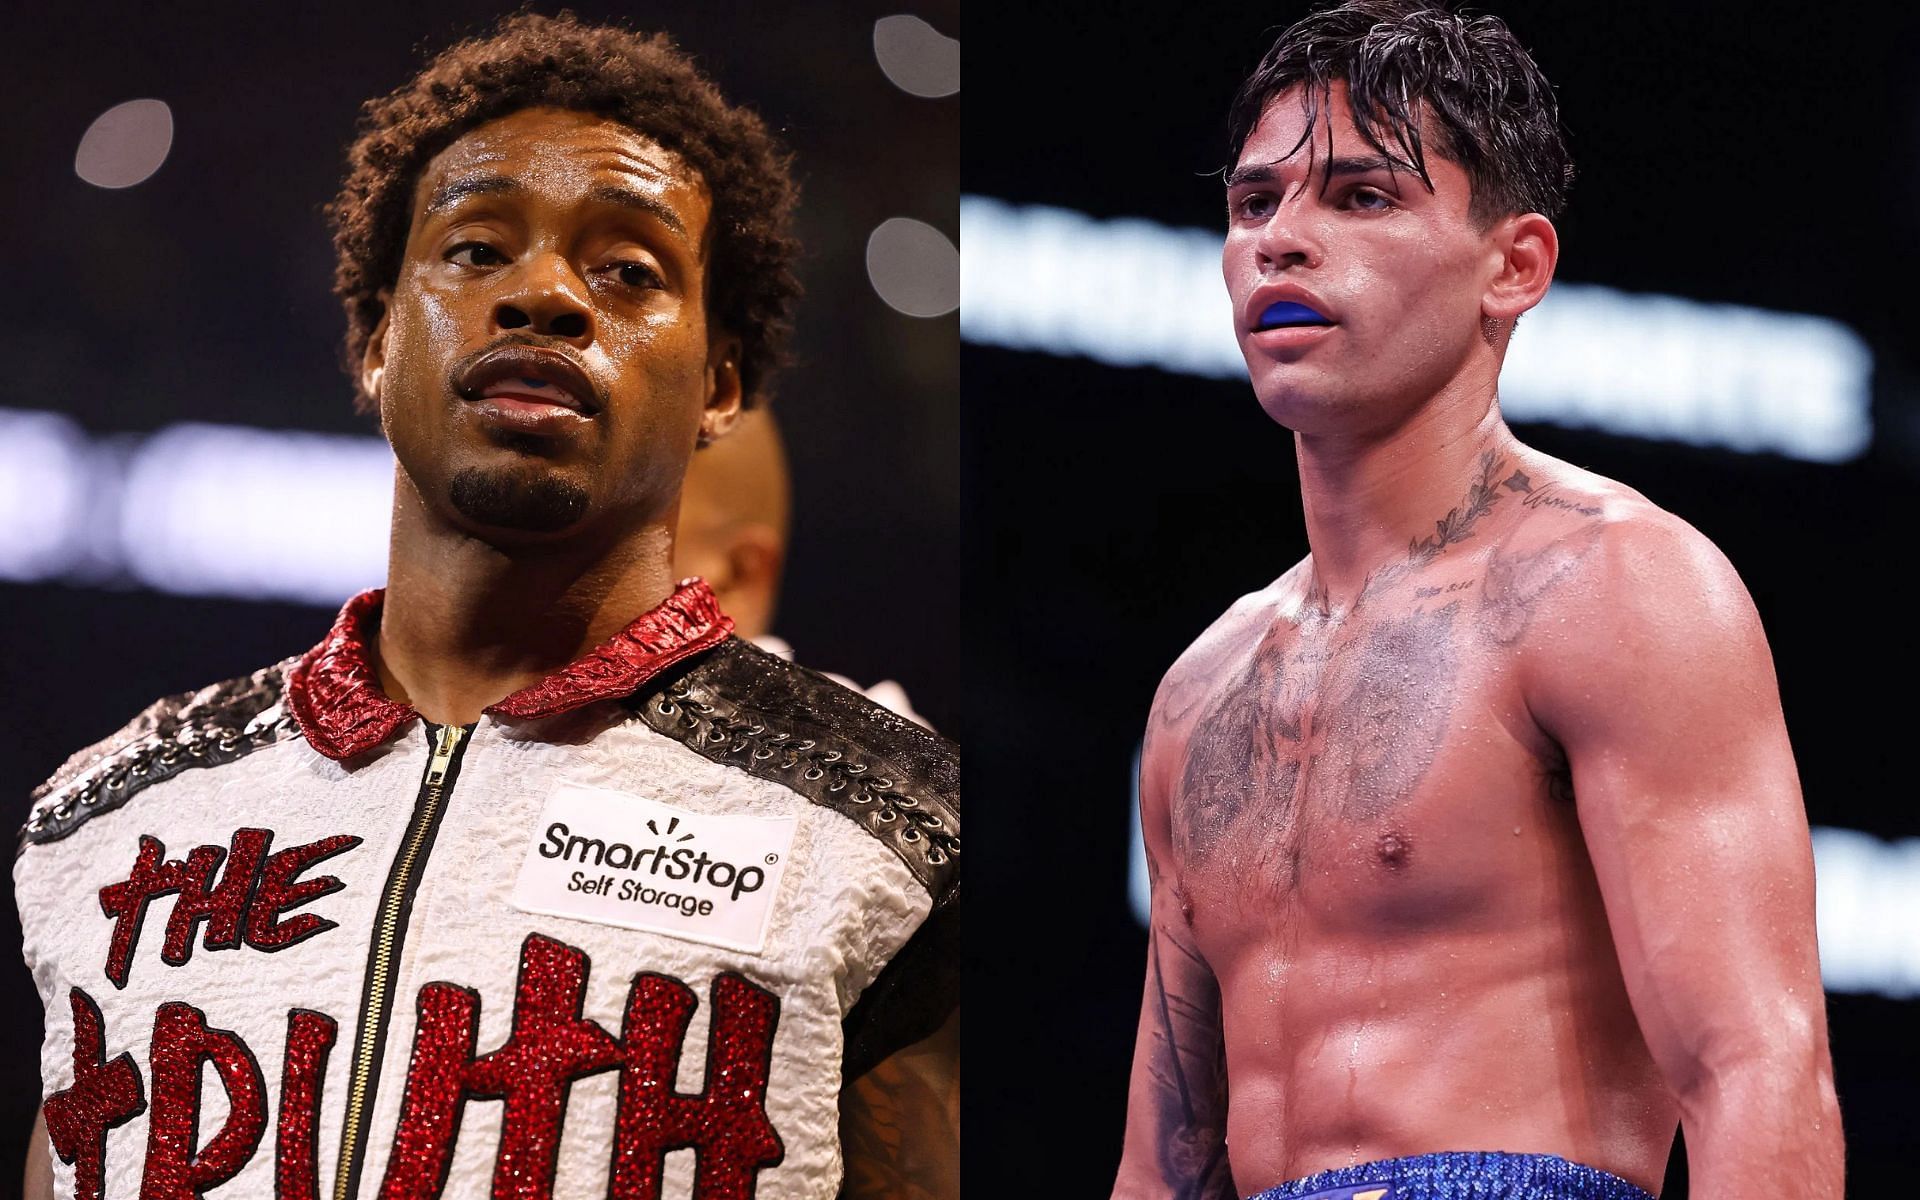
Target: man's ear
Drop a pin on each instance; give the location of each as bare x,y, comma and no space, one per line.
724,395
373,361
1529,248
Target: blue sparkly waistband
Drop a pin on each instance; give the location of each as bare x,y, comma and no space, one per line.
1474,1175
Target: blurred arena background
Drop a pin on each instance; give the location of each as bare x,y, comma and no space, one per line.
1732,336
185,492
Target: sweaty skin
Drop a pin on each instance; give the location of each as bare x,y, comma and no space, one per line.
568,233
1478,829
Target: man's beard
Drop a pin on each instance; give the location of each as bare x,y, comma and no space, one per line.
532,501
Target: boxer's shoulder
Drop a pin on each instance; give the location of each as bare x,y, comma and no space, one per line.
743,707
1257,619
203,728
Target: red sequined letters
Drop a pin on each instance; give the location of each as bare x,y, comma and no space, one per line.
552,1045
727,1124
182,1043
104,1094
245,906
296,1171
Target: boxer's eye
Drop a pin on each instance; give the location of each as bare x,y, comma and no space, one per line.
476,254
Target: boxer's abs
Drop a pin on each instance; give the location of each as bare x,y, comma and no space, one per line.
1511,1036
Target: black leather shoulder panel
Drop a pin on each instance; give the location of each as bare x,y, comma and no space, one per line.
739,705
214,725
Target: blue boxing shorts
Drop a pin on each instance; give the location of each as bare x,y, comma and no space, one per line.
1477,1175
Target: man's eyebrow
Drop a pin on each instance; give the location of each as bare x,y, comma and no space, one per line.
653,206
1257,173
454,192
1352,165
1362,165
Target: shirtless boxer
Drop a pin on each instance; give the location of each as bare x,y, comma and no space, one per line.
1477,853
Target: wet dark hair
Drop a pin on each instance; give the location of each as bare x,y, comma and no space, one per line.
642,81
1467,77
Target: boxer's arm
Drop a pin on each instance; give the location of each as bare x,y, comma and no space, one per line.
1176,1135
38,1181
1657,682
900,1123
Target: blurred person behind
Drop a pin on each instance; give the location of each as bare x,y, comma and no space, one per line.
735,514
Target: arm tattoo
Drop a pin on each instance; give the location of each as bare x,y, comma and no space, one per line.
900,1131
1189,1072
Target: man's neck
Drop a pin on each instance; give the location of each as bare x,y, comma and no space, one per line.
1368,497
466,624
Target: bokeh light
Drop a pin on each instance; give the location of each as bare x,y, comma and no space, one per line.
914,267
126,144
918,58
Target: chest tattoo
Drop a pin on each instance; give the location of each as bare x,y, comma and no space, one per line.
1343,720
1245,753
1387,709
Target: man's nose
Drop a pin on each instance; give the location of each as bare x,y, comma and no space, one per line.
1290,238
546,297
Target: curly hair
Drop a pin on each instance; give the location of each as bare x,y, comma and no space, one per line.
642,81
1491,109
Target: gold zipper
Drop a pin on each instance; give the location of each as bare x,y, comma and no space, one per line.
386,929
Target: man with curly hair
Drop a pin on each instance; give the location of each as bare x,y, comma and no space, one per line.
567,889
1476,849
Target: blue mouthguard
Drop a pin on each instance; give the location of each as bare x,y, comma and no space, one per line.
1286,312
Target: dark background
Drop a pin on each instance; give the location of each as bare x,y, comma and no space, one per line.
204,294
1756,154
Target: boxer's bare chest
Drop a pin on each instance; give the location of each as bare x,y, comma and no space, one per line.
1356,765
1315,743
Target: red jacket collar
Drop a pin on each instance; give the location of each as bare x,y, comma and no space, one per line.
335,695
